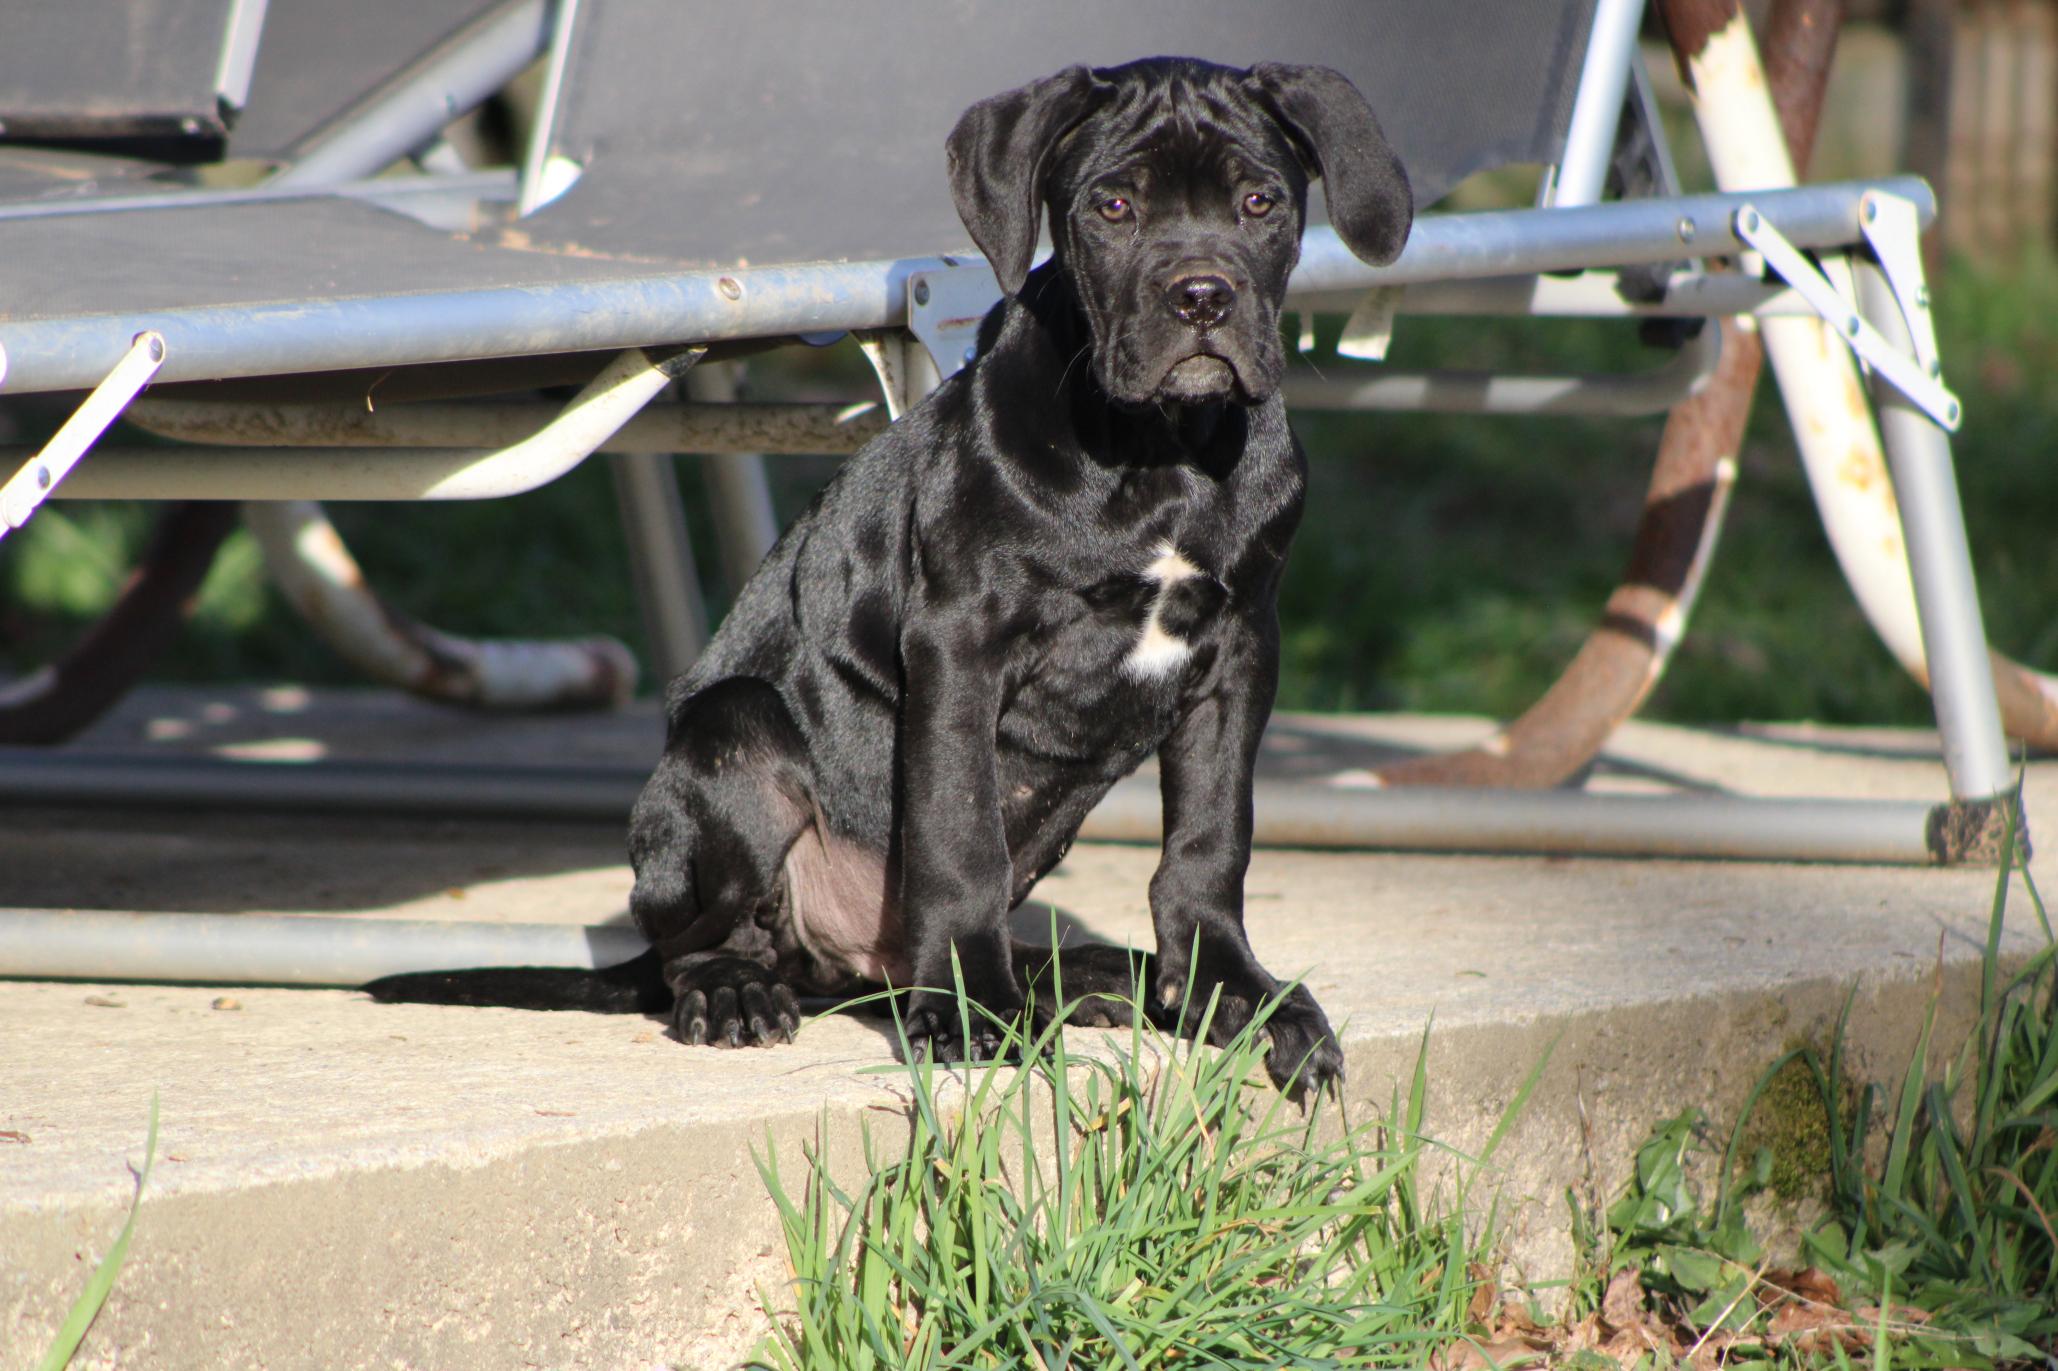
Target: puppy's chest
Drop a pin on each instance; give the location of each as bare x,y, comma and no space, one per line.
1135,632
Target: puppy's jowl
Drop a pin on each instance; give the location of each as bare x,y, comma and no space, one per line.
1065,558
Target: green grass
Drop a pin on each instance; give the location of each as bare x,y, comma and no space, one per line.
1154,1205
1448,563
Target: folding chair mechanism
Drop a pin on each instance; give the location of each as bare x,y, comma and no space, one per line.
1892,229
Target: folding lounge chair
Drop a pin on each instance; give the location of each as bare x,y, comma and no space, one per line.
710,178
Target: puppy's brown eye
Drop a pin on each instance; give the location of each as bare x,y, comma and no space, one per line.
1258,204
1114,209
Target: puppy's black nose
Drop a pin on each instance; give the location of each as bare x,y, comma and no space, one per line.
1202,301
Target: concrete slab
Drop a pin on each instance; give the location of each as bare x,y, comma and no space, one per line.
343,1183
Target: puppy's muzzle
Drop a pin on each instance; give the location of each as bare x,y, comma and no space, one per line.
1201,301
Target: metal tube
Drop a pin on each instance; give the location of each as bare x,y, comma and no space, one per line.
1961,678
1462,819
740,497
212,784
239,949
608,401
1588,295
316,573
1818,381
1623,232
469,187
216,342
1289,813
258,949
1483,392
662,428
404,114
539,186
1597,110
661,561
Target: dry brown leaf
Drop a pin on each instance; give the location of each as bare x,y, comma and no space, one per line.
1502,1354
1811,1283
1628,1344
1815,1328
1486,1292
1712,1352
1585,1336
1868,1314
1623,1304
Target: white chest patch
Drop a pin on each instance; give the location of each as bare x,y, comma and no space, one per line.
1158,653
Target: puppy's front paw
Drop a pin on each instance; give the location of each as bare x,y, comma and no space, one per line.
1304,1057
939,1029
732,1002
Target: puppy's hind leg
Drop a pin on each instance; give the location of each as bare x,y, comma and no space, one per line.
707,840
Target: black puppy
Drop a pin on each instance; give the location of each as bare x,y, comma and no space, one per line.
1064,558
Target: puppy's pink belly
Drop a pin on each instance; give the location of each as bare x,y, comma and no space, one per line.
842,912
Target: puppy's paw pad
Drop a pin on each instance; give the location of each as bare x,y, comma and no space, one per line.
734,1005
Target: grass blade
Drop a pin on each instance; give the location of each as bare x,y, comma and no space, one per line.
87,1307
1893,1183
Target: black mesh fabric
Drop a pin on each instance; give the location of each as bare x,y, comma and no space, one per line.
756,132
111,68
319,57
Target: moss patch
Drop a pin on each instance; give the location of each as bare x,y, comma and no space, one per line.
1787,1141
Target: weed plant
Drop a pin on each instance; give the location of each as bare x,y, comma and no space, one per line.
1938,1246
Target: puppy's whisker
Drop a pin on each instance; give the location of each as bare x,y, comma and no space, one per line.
1066,374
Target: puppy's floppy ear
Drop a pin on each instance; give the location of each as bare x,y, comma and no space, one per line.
999,154
1370,204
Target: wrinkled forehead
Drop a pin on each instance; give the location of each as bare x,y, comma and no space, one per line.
1177,130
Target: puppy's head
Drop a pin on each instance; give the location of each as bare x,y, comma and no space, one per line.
1176,191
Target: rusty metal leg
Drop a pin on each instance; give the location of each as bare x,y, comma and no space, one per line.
56,702
1625,655
317,574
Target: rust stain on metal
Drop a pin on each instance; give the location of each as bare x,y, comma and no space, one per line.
1799,47
1690,24
520,240
1860,469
